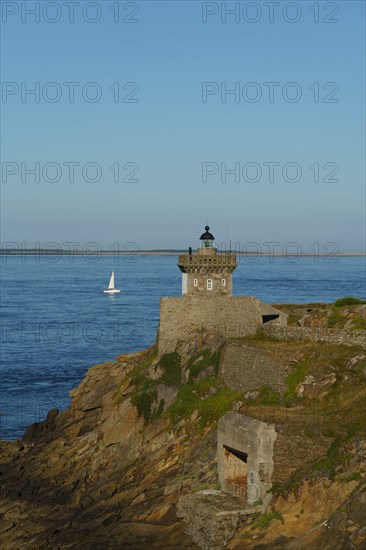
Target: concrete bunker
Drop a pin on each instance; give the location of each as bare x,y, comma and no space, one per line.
245,457
272,315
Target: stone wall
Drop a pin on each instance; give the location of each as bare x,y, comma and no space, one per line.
330,336
244,368
182,319
212,518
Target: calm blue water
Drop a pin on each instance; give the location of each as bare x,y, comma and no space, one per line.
56,321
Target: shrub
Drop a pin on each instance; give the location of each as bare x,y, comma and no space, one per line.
139,378
335,319
290,485
143,401
348,301
170,364
261,521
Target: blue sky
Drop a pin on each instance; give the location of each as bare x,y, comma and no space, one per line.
170,132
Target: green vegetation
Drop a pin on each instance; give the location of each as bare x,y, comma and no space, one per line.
202,361
215,406
260,336
208,396
348,301
358,324
139,378
290,485
293,319
336,455
170,364
261,521
268,396
144,402
292,381
145,396
352,477
336,319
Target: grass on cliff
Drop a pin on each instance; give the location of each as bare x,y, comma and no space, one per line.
327,466
202,391
270,397
170,365
262,521
144,402
337,320
211,399
204,360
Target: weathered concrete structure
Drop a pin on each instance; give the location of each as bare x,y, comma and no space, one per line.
245,457
207,304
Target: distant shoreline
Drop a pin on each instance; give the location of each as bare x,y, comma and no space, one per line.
165,253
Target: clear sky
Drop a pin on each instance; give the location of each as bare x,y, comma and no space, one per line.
178,134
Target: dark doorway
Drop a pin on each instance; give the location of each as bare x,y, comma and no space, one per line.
267,318
235,472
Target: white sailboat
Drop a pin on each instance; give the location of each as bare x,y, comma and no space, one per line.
111,289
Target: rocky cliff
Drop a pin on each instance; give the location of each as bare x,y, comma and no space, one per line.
140,436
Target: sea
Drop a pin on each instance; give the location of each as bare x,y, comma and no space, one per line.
57,322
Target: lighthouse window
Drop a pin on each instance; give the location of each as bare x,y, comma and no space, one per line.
209,284
195,282
223,282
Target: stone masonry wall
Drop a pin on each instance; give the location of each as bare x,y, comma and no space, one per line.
182,319
330,336
244,368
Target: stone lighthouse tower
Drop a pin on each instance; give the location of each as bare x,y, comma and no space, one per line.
207,272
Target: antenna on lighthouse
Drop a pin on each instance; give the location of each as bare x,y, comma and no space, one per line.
230,240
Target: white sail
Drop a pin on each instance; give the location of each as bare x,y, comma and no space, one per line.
111,282
111,289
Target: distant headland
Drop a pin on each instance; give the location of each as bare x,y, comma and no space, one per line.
157,252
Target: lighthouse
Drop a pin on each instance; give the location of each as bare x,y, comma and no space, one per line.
207,272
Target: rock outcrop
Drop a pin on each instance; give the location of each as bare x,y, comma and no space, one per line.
126,464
